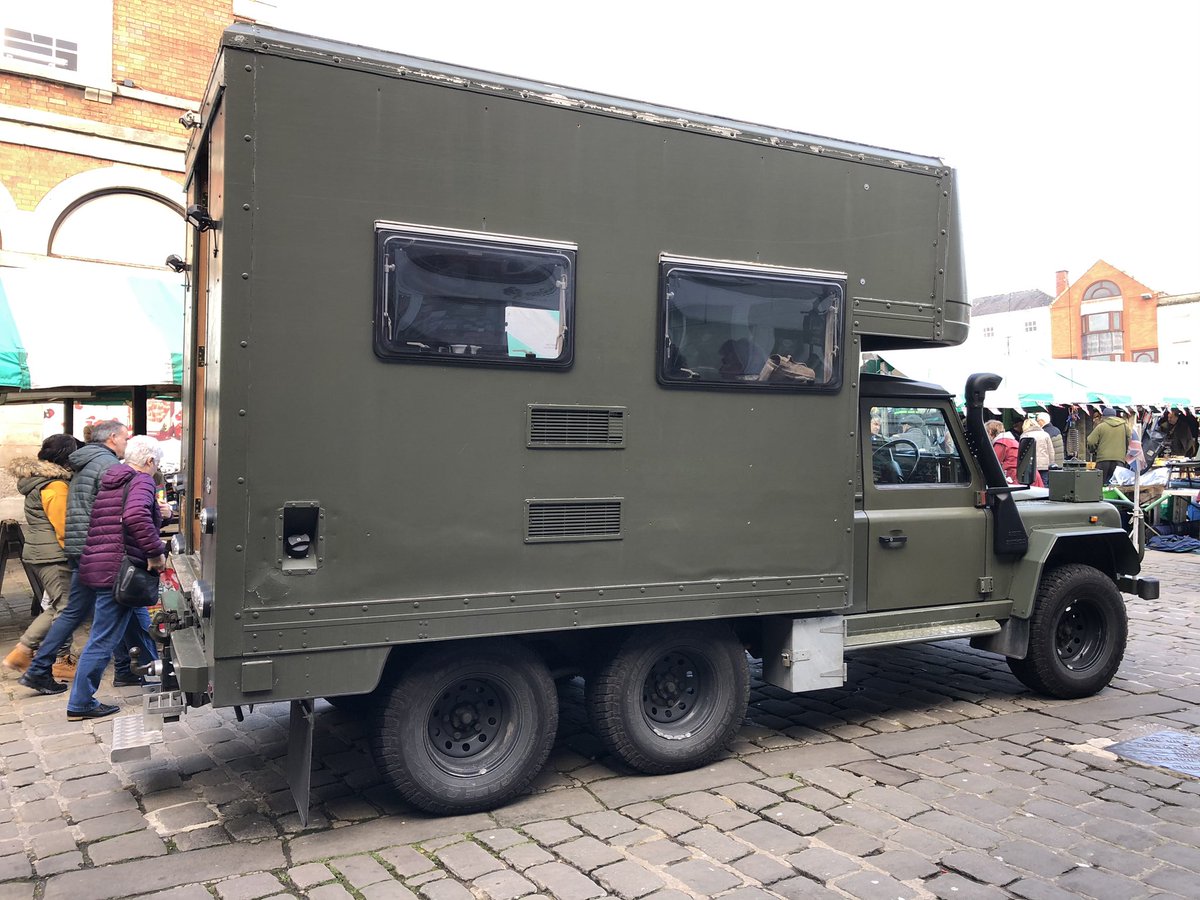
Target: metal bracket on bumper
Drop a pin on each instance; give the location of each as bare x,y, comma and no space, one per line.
1146,588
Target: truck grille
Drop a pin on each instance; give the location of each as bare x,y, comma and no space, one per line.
573,520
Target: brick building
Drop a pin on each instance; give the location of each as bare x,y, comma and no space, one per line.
1105,314
91,188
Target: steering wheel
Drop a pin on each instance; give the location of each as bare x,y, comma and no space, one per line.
890,448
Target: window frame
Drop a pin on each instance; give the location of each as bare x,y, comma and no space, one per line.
669,263
386,348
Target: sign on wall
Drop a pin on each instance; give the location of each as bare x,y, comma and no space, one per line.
62,40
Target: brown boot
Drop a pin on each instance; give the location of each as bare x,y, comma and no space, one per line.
19,659
64,668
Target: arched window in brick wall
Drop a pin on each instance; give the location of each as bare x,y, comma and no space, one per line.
1101,289
123,226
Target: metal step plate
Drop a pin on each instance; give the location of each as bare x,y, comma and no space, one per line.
921,633
131,739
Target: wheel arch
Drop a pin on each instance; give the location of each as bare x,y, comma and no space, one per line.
1106,549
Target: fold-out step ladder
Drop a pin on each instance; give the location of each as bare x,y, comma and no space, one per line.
134,735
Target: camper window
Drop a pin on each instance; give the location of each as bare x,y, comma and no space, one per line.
753,328
465,298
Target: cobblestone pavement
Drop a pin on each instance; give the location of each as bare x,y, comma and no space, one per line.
932,773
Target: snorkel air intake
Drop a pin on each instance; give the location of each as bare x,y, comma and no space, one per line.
1008,534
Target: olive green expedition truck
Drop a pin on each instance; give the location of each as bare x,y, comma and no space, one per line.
492,382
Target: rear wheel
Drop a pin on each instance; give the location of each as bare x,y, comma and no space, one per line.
1077,634
670,698
466,726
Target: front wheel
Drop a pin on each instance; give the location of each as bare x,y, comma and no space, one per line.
1077,634
670,698
466,726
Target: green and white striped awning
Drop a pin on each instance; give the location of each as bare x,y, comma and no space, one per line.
89,326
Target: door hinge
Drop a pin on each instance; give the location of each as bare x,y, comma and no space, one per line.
985,584
196,508
200,357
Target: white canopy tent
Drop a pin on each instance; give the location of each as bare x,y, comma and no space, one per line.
1031,382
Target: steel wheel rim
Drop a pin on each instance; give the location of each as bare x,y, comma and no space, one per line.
677,693
1080,635
468,728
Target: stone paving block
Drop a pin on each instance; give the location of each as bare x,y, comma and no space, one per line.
872,886
812,797
51,843
904,865
803,889
605,825
769,837
1101,885
248,887
954,887
850,840
628,879
966,833
1186,856
91,786
504,885
553,832
467,860
500,838
15,866
979,809
361,870
185,815
38,811
763,868
748,893
980,867
62,862
201,838
823,864
331,891
1170,878
522,856
798,817
731,819
187,892
1132,837
126,847
563,882
803,759
387,890
1033,857
406,861
660,852
310,874
670,822
749,796
703,877
587,853
835,781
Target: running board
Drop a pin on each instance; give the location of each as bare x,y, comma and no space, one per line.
134,735
918,634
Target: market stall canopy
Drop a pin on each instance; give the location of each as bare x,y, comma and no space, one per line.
69,327
1031,382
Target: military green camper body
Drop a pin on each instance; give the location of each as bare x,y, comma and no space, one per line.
492,382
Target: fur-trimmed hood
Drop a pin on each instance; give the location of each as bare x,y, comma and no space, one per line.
31,471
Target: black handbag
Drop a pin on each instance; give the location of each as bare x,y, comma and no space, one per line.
135,585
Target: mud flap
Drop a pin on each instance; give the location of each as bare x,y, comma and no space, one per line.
299,760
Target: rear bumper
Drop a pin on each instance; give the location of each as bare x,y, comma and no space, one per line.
1146,588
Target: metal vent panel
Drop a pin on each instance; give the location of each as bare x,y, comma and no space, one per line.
572,520
588,427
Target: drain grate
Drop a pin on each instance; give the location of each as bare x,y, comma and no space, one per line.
1166,749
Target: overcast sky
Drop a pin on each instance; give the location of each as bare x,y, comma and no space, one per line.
1074,126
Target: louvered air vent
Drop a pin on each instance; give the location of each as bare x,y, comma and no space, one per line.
573,520
596,427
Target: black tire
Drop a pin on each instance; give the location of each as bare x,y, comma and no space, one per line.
1076,635
466,726
670,697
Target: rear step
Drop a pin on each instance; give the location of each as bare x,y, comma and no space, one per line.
917,634
134,735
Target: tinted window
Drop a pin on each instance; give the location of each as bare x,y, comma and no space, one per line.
758,329
450,297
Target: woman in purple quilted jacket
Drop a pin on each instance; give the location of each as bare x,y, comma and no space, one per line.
126,491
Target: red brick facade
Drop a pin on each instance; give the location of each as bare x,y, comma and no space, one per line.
161,47
1136,303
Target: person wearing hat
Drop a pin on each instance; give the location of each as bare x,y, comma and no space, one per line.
1043,447
1108,443
1056,439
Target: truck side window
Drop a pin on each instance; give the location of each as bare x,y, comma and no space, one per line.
914,445
463,297
749,327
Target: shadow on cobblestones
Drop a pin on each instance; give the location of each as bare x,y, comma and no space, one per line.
932,772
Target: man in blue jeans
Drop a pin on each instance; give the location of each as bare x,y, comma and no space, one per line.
90,462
